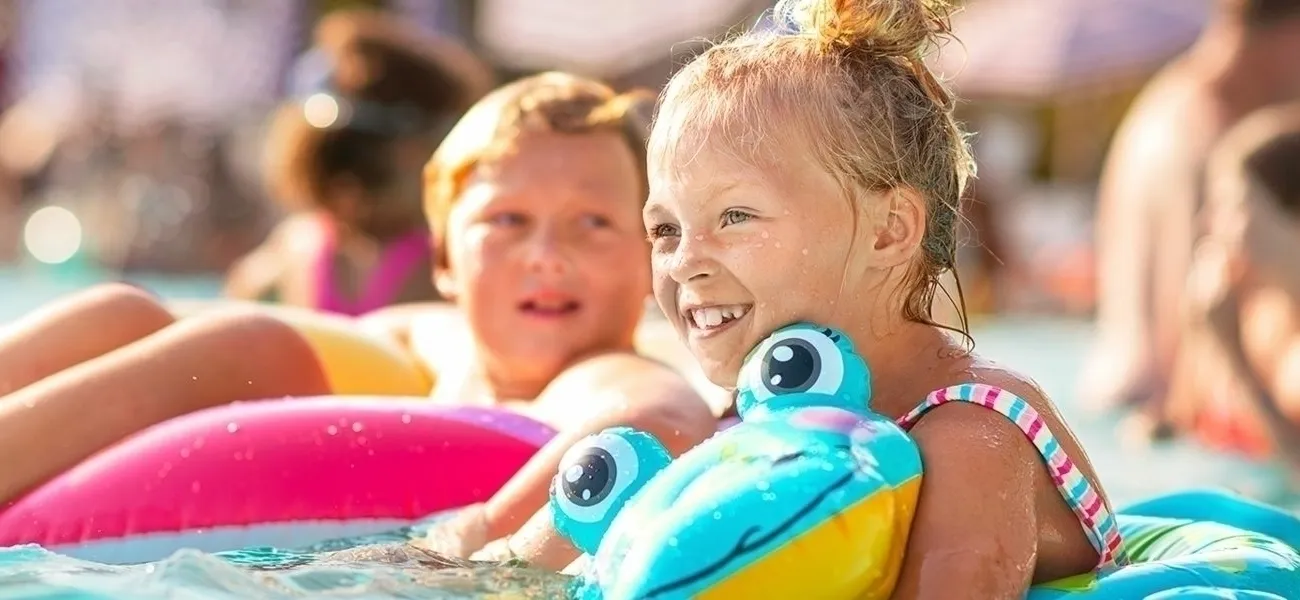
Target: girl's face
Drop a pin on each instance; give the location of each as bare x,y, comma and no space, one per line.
546,255
738,251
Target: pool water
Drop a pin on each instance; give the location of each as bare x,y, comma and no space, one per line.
380,567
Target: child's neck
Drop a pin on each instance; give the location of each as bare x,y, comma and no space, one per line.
908,355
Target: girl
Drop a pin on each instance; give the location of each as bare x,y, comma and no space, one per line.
536,197
375,98
814,174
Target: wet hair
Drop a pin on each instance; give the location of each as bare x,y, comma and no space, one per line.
846,78
1265,149
549,102
370,81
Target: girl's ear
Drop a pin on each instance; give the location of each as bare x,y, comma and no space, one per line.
900,227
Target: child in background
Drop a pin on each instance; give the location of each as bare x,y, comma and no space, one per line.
373,100
814,173
1236,382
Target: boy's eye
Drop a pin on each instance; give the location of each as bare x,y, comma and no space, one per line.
596,221
507,219
734,217
663,230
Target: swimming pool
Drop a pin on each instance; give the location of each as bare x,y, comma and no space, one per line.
1050,349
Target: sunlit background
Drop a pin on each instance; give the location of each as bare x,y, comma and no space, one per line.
130,148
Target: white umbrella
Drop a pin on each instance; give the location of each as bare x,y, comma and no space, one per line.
1040,48
602,38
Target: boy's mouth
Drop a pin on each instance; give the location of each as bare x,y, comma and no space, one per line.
549,307
716,317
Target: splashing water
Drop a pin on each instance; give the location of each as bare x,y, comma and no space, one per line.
375,567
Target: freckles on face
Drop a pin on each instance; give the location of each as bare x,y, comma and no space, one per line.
771,242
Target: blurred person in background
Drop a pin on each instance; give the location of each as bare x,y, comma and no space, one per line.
374,98
1236,383
1151,191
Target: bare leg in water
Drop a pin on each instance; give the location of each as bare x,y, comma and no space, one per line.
93,369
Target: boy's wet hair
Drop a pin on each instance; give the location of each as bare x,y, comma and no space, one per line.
1265,149
549,102
847,79
369,81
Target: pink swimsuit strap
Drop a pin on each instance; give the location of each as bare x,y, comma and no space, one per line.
398,261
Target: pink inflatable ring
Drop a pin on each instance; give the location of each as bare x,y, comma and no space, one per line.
285,473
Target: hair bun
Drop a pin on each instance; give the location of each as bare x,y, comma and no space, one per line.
888,28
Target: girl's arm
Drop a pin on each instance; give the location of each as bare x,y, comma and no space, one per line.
975,534
603,392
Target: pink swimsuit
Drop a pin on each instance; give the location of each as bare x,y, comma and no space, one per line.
397,263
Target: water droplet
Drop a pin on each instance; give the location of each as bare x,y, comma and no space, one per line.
185,452
357,427
406,418
805,252
762,485
194,377
764,235
777,244
232,427
198,443
332,430
672,542
29,403
239,456
699,238
149,569
717,515
196,487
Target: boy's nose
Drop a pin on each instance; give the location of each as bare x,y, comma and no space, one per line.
545,256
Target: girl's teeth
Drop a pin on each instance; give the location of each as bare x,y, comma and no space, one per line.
705,318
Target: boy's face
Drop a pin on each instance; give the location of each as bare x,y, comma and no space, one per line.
545,251
739,251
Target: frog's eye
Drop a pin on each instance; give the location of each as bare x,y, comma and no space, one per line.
594,477
798,361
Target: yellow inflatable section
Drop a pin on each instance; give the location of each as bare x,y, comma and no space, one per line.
353,360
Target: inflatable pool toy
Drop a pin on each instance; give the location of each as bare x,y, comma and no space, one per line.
810,495
355,362
1195,544
284,473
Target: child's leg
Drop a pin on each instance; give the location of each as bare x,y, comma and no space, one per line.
75,329
194,364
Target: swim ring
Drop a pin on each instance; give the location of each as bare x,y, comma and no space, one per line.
353,361
284,473
811,495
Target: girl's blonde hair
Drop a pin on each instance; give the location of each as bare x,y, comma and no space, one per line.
850,76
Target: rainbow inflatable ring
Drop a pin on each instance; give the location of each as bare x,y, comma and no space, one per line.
812,495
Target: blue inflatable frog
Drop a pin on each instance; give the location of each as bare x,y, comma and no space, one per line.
811,495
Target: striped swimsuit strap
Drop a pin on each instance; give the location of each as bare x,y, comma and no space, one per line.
1097,520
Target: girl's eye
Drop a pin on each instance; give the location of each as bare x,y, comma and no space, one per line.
507,219
663,230
734,217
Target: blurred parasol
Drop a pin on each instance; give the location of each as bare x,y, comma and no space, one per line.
604,38
1041,48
